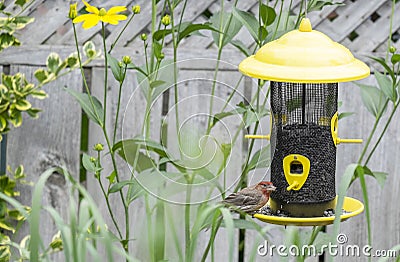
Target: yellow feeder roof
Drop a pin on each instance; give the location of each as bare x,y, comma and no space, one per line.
304,56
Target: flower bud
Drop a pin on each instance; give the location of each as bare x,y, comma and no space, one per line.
93,159
392,49
126,60
98,147
73,11
162,55
136,9
166,20
143,37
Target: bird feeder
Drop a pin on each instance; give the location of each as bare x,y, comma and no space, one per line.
304,67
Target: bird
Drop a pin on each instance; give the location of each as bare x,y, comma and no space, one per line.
250,199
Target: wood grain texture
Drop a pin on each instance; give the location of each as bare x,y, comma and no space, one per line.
383,207
50,141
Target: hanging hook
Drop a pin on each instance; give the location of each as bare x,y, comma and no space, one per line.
305,11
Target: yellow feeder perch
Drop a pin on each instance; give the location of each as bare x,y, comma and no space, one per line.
304,67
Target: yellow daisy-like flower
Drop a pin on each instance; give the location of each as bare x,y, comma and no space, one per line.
95,16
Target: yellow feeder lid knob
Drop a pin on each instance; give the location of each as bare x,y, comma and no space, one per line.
305,25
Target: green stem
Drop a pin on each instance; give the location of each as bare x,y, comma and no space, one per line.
299,16
109,207
382,133
287,17
390,30
187,216
83,73
377,120
153,29
175,58
120,33
126,207
210,118
105,73
279,19
118,105
232,94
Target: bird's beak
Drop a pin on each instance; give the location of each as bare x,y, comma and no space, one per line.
271,187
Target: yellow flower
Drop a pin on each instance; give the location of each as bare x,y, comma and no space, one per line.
166,20
72,11
136,9
95,16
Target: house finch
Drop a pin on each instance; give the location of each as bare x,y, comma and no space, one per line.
251,199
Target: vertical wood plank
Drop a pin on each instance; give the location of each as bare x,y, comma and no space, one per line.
383,210
50,141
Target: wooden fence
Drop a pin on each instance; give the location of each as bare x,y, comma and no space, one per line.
55,138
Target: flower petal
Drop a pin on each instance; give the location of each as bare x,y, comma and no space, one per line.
89,23
82,18
116,9
91,9
109,20
117,17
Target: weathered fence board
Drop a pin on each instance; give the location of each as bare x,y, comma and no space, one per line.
52,140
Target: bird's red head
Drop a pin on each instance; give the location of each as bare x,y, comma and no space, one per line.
266,187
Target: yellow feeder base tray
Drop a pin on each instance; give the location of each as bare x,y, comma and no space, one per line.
353,206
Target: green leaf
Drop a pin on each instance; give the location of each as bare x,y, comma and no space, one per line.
345,114
156,83
160,34
7,40
16,119
395,59
41,75
39,94
129,151
379,176
34,112
116,68
19,172
267,14
89,49
157,49
191,28
20,22
6,226
53,62
22,105
261,159
249,21
118,186
224,34
209,178
319,5
373,99
95,114
385,66
111,177
219,116
360,174
386,85
241,46
345,182
21,3
87,164
228,221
